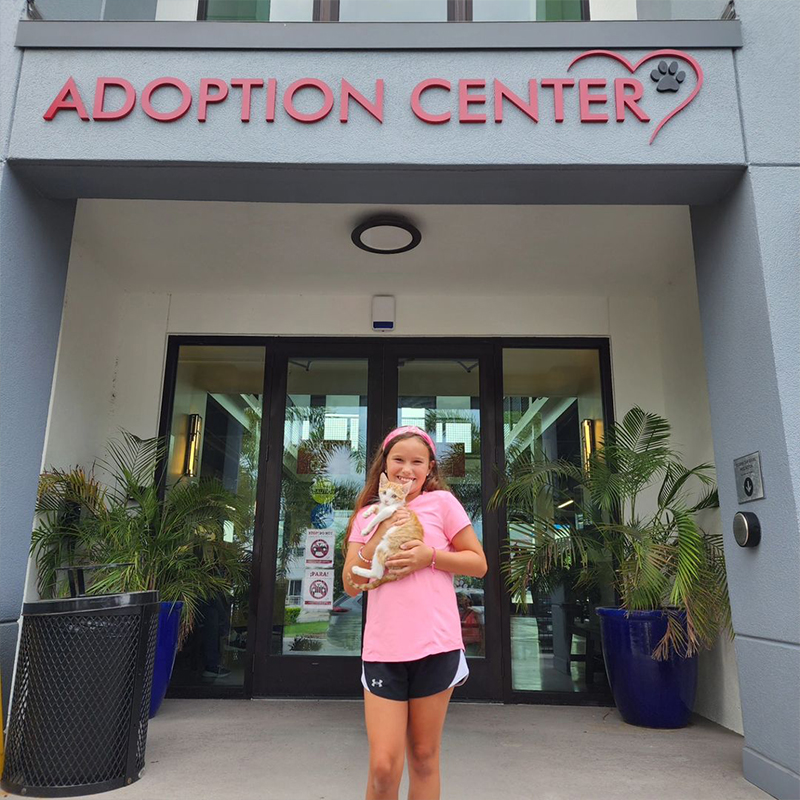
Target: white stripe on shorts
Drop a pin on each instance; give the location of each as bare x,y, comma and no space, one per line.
462,673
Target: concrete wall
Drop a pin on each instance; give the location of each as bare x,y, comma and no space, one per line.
749,284
35,237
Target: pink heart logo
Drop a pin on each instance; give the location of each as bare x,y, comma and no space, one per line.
698,71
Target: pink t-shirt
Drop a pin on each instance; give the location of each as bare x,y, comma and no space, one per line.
417,616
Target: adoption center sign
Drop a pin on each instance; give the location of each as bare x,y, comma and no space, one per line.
599,98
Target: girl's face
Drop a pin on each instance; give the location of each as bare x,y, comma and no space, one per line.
409,463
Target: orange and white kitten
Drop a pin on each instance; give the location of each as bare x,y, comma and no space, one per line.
392,496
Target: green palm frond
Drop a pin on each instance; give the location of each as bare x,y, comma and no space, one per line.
659,559
177,546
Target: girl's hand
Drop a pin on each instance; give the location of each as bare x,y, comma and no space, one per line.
415,555
400,517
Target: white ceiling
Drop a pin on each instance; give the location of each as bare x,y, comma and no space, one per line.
175,246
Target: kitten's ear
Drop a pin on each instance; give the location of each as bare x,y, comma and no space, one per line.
384,480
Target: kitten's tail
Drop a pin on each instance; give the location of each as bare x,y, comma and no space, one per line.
365,587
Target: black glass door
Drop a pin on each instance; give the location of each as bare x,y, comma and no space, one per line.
293,423
331,404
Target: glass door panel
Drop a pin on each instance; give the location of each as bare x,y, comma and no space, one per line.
215,434
322,472
553,409
442,396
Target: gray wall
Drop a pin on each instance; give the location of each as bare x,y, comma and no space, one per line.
35,235
746,251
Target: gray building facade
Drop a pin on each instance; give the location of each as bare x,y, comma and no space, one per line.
731,154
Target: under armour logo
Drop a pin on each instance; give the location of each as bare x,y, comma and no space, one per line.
378,683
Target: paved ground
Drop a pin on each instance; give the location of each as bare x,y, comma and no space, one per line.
317,750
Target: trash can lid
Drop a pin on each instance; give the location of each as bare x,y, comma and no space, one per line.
100,602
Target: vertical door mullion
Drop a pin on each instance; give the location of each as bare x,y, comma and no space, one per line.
502,529
256,572
375,403
390,391
491,462
271,455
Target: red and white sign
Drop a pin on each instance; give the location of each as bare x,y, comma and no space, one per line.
318,589
320,545
467,101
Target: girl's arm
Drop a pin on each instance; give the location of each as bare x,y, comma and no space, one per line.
469,558
352,559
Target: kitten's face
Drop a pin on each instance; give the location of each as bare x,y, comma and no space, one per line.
391,492
408,464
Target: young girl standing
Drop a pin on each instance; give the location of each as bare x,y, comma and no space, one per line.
413,653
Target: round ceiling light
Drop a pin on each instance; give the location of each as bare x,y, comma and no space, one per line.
386,235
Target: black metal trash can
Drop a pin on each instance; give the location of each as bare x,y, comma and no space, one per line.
81,695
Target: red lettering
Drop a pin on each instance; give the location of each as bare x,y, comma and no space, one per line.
98,113
68,99
465,100
247,85
586,99
272,90
308,83
416,105
206,97
166,116
348,91
558,85
624,100
502,92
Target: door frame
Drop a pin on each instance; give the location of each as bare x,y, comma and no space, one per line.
295,674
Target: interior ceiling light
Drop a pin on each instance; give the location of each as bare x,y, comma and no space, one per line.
386,235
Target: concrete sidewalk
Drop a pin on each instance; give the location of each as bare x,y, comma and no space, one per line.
317,750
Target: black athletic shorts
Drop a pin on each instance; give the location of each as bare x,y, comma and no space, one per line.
402,680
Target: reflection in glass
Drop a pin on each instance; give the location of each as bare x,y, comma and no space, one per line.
574,10
441,396
393,11
527,10
551,398
260,10
323,470
216,433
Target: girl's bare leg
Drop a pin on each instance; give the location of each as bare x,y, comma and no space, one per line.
387,722
425,723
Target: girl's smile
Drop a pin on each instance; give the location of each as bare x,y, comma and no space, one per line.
409,463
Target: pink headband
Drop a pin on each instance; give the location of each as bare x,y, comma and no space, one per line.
410,429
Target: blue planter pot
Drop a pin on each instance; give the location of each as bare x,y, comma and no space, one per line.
169,623
650,693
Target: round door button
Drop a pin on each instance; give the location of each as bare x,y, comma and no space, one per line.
746,529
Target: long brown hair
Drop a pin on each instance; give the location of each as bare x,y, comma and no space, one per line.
433,482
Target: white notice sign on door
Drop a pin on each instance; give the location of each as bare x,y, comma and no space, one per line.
318,589
319,548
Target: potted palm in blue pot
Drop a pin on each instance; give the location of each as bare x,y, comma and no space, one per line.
174,544
636,529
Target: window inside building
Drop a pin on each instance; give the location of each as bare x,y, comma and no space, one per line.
214,440
553,409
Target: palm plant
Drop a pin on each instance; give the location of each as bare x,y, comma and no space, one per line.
637,530
175,545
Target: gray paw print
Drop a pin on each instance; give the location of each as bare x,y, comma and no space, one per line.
668,78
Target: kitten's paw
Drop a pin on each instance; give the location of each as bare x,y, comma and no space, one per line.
364,573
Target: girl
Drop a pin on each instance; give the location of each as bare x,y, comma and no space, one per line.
413,653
